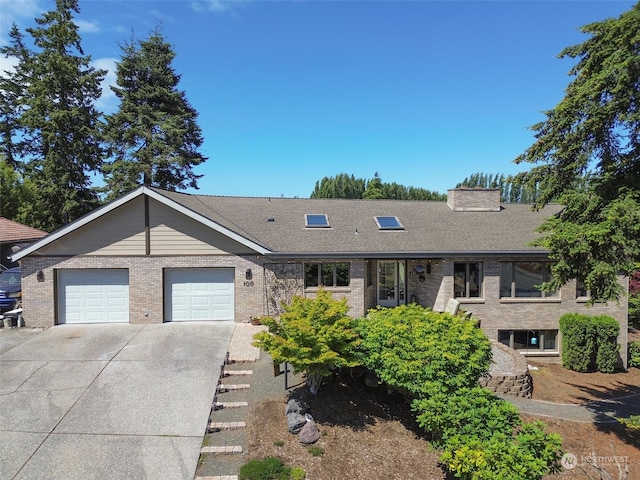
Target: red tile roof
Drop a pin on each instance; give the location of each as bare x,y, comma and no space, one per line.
11,231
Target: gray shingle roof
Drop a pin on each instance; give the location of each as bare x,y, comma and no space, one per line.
430,228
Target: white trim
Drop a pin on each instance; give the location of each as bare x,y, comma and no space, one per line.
98,212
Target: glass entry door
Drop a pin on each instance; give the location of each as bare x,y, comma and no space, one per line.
391,283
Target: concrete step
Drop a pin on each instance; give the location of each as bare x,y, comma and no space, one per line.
229,373
218,477
226,387
221,405
223,450
217,426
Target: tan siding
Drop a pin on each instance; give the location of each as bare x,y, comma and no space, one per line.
173,233
119,232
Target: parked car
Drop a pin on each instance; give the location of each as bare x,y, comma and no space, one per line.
10,288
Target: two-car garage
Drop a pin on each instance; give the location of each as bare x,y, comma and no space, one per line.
102,295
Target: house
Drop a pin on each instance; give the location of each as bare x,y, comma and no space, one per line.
157,256
13,237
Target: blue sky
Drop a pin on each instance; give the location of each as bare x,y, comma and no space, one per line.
423,92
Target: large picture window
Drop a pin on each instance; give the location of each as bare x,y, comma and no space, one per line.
522,279
467,280
530,341
326,274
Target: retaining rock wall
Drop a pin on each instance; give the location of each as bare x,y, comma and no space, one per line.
509,374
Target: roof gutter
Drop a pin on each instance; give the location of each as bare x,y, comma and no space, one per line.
410,255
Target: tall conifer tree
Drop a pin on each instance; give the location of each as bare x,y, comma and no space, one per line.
153,138
60,122
13,85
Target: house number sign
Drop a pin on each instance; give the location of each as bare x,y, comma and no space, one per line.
248,283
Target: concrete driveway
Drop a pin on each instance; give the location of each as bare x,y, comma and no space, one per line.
109,401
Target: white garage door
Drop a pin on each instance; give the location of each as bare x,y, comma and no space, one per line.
198,294
93,296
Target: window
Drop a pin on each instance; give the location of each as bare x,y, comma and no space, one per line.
326,274
316,221
521,280
530,341
581,289
388,223
467,280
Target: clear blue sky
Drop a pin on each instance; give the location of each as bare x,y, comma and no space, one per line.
423,92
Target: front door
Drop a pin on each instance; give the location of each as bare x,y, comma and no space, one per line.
391,283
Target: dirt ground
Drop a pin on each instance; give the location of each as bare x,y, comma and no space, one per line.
615,448
369,434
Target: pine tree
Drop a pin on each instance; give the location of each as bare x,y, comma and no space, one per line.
59,122
153,138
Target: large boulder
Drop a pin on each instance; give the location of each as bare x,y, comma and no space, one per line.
295,422
296,405
309,433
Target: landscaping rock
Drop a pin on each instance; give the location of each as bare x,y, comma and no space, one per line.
309,433
295,405
295,422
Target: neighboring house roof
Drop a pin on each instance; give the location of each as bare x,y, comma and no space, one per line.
11,231
276,226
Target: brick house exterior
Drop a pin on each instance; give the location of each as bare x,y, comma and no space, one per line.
141,259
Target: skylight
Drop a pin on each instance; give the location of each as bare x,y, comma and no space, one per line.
316,220
388,223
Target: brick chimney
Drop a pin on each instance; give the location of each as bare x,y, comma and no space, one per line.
465,199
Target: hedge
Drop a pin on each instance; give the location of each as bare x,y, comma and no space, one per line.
589,342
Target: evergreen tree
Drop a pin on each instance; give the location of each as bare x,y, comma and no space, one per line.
340,186
153,138
347,186
512,188
13,84
56,119
374,188
18,196
594,129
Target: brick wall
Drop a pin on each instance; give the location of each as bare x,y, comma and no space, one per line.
146,303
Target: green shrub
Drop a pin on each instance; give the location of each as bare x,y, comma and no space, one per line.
632,422
269,468
470,412
529,456
578,342
313,335
420,352
436,360
589,342
607,348
634,354
297,473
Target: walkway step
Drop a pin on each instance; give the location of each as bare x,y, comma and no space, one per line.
218,477
225,450
227,425
238,386
228,373
220,405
